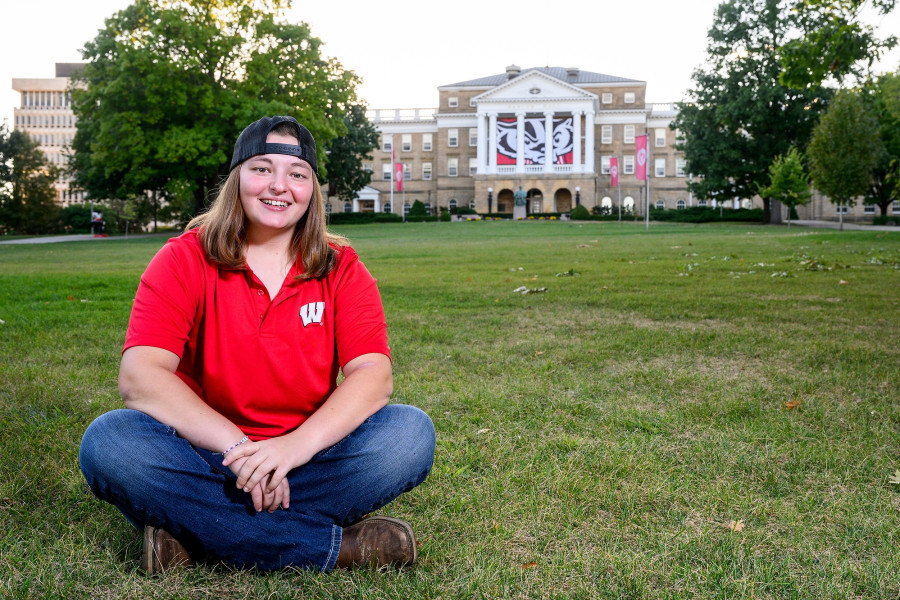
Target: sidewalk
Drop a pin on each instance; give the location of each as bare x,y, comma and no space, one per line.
50,239
848,226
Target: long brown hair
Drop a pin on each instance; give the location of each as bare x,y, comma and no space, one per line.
224,238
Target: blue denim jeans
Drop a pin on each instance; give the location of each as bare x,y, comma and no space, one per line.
155,477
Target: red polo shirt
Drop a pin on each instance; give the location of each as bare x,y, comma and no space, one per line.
264,364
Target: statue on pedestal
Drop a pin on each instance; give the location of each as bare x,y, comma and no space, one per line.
520,197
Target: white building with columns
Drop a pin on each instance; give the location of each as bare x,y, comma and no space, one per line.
551,131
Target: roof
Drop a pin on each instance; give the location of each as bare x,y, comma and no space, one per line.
561,73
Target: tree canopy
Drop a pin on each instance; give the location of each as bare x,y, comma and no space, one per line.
170,84
27,196
885,185
738,116
834,42
346,153
844,149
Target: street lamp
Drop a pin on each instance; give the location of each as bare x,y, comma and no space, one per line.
490,199
578,196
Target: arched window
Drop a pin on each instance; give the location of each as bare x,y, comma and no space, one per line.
628,204
745,203
428,207
328,208
452,203
348,207
472,203
679,205
387,207
606,202
406,208
660,205
701,203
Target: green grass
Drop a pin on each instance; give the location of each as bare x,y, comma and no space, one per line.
594,441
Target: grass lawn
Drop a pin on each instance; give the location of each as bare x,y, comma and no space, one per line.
699,412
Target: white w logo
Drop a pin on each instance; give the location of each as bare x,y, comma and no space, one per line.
312,312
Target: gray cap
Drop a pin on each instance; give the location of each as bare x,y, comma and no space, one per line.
252,142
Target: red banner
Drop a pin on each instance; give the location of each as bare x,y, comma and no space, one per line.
398,176
614,171
640,155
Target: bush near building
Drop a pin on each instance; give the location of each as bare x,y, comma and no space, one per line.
696,214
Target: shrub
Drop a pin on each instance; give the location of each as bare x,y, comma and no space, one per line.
362,218
417,210
580,213
886,220
695,214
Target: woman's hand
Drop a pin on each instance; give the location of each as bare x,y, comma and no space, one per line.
261,469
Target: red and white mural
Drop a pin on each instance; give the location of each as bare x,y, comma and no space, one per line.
535,140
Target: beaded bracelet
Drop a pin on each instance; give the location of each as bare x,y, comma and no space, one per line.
233,446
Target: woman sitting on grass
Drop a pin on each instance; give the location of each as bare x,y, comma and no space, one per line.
237,444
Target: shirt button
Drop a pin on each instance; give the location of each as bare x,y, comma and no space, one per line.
259,292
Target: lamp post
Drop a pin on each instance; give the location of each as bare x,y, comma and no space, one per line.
578,196
490,200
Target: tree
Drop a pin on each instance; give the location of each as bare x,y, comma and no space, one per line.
171,83
885,186
27,196
788,182
844,150
739,117
346,153
834,42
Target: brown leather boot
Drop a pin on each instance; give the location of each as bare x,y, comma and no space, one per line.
162,551
377,542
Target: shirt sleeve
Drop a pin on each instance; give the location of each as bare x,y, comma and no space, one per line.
168,298
360,326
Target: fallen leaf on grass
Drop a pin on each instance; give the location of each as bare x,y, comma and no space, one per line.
526,290
530,565
482,431
70,297
538,352
896,478
584,246
737,526
2,322
792,404
842,282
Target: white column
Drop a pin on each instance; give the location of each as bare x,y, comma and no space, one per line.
377,207
589,141
492,146
576,160
356,205
480,149
548,142
520,142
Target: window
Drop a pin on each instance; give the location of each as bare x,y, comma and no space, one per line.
406,142
426,142
680,164
367,167
679,205
406,208
472,101
606,203
407,171
473,166
428,208
386,171
841,210
895,207
660,170
452,167
628,204
629,134
701,203
387,207
606,134
604,165
472,203
473,136
426,171
628,165
629,97
348,207
453,101
660,137
453,137
452,203
606,98
660,205
869,209
387,143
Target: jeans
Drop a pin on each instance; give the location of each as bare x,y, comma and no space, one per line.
156,478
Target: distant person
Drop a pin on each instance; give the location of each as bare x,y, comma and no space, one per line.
97,222
237,444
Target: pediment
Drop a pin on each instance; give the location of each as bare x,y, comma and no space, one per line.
534,86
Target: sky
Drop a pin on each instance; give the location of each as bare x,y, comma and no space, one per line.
404,49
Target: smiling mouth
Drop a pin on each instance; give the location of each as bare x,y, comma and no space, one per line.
277,203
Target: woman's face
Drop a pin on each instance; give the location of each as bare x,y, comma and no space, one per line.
275,189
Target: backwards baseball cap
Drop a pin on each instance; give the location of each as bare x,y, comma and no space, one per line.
252,142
